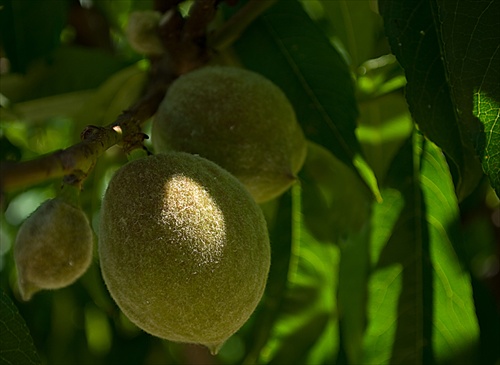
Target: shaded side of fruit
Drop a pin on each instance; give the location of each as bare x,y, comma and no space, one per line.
53,247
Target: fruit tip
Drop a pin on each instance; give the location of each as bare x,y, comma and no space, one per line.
215,348
27,290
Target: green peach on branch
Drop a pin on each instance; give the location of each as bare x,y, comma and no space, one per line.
184,249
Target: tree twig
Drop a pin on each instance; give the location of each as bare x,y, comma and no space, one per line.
79,157
186,50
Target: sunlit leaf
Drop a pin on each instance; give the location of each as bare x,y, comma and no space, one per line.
455,327
384,284
17,345
305,329
420,298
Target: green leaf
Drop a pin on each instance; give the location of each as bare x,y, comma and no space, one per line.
469,40
412,34
335,201
305,327
280,235
420,307
113,96
335,209
40,110
70,69
312,73
352,292
384,125
17,346
455,324
487,110
30,29
384,284
355,24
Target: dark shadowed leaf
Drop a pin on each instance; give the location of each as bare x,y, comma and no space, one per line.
30,29
70,69
470,37
16,346
355,24
411,30
352,293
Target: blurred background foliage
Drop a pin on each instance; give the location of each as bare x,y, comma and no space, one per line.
379,254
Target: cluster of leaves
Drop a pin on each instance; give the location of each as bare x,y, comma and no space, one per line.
387,249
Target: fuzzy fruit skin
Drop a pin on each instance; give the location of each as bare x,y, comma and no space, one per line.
142,32
53,247
238,119
184,249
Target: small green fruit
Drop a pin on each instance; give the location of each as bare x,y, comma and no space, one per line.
238,119
53,247
142,32
184,249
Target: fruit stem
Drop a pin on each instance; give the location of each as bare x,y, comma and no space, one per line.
137,153
70,194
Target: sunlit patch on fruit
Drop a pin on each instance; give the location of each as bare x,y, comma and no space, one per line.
194,214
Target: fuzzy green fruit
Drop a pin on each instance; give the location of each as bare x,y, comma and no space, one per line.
53,247
184,249
142,32
238,119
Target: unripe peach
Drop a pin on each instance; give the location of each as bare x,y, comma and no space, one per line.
142,32
53,247
238,119
184,249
